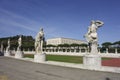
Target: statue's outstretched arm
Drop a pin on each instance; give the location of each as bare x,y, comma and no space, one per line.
99,23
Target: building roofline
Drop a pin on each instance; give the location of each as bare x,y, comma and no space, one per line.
67,38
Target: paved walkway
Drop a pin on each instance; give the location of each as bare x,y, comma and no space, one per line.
25,70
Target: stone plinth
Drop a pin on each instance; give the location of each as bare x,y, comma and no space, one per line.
7,53
92,61
19,54
41,57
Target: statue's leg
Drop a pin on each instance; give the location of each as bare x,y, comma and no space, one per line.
89,46
35,48
41,46
94,47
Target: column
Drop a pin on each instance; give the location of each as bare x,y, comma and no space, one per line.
99,50
107,50
116,51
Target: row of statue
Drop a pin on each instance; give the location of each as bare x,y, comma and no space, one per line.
39,39
91,37
8,43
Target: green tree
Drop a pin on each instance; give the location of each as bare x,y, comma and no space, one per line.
74,45
27,42
50,45
116,44
106,44
83,45
63,45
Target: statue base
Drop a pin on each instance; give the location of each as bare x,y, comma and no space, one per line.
7,53
19,54
92,61
40,57
1,54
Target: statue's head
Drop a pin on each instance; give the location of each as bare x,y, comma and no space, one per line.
41,33
92,22
8,39
20,36
41,29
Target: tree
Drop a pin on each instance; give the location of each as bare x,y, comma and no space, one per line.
116,44
83,45
106,44
63,45
27,42
74,45
49,45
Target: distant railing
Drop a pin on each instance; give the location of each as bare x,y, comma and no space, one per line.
72,52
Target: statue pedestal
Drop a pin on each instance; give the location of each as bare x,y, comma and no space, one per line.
92,61
1,53
40,57
19,54
7,53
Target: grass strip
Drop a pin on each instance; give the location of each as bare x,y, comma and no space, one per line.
64,58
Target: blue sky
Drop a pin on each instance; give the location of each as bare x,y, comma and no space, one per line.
60,18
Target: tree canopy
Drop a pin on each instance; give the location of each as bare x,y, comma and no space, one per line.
27,42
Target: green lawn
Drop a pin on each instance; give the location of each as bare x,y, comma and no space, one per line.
70,59
104,58
29,55
60,58
63,58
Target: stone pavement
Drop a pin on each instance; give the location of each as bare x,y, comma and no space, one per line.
16,69
74,65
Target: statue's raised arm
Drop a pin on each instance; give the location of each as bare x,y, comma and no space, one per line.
99,23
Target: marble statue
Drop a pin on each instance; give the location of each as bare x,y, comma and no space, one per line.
1,48
7,52
19,44
92,37
39,39
8,47
19,53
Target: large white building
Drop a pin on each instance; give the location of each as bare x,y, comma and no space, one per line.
57,41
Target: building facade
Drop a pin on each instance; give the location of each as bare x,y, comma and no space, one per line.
57,41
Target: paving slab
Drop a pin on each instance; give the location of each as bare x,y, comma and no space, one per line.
16,69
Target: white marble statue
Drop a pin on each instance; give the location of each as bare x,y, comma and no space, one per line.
8,47
1,48
39,39
92,37
19,53
19,44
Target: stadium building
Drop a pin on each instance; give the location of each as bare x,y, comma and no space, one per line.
57,41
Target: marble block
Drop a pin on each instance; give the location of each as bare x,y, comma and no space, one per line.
7,53
19,54
92,61
40,57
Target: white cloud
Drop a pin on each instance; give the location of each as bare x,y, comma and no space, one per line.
13,15
11,19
